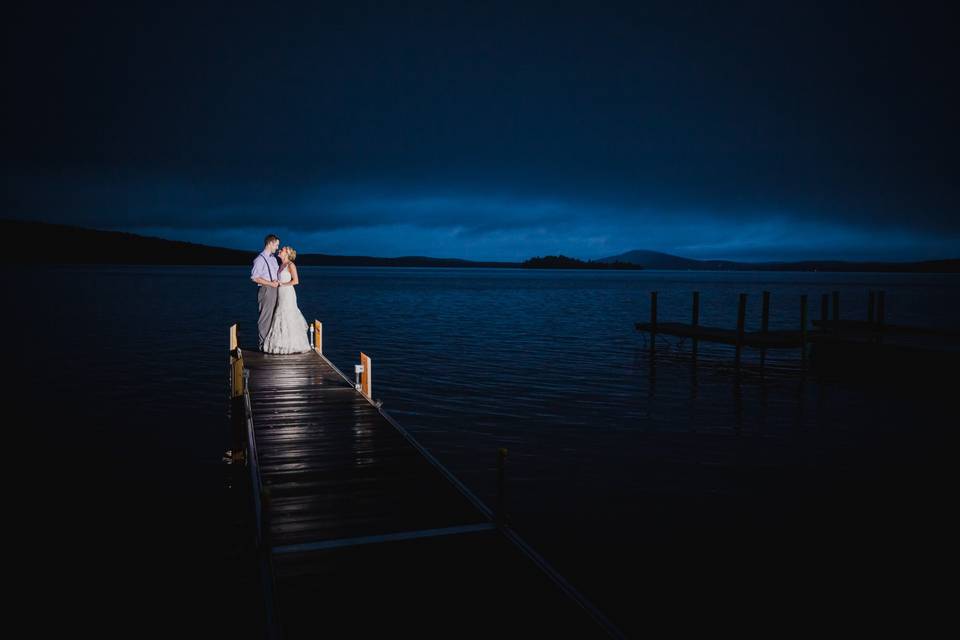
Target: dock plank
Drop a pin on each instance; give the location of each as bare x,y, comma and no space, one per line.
337,470
466,586
764,339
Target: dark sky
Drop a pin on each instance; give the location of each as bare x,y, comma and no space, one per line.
483,130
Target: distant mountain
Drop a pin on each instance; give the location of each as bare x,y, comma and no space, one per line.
565,262
658,260
62,244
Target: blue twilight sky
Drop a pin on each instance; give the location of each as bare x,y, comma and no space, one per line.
751,131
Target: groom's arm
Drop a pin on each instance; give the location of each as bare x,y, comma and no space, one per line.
259,273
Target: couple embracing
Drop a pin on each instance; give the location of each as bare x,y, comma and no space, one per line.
282,327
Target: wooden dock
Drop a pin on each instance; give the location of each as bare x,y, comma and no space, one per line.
759,339
831,342
360,530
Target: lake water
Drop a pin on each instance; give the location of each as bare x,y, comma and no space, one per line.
615,460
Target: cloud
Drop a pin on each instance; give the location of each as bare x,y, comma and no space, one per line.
509,222
177,203
718,128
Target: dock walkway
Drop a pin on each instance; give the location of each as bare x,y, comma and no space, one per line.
361,530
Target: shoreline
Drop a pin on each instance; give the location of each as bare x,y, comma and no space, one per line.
486,267
79,245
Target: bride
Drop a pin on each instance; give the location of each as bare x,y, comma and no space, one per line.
288,333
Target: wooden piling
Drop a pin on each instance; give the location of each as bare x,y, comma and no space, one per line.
881,311
836,310
765,314
696,320
653,310
764,324
366,378
871,304
803,329
237,377
653,321
318,335
237,403
741,323
824,309
238,430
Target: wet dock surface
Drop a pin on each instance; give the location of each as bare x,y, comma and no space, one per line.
367,534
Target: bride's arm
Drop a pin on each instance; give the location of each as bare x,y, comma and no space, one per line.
294,278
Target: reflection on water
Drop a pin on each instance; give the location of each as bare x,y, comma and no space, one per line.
599,424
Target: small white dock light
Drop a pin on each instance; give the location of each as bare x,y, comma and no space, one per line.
357,370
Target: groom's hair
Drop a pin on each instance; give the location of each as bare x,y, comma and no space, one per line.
270,238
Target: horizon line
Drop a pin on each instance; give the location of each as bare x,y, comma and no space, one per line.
497,261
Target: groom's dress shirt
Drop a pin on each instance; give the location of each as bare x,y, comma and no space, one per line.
264,266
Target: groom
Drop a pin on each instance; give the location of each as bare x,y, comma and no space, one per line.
265,274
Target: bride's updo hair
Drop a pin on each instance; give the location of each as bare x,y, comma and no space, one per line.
291,254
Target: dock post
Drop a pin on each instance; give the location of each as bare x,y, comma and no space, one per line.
741,320
238,418
501,514
881,313
231,356
366,377
696,321
653,321
317,330
237,377
871,304
238,431
824,311
764,324
803,329
765,317
836,312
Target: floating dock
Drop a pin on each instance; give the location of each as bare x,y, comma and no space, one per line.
360,530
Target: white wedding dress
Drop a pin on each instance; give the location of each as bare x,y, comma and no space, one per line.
288,333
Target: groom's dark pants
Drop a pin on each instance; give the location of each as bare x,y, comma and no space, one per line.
267,302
